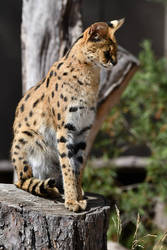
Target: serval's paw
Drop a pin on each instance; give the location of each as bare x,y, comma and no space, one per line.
75,206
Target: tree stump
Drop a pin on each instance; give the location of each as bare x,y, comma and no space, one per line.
31,222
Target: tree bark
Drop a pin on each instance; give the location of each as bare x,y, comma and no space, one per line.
30,222
48,29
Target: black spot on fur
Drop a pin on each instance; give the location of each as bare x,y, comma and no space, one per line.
65,73
22,141
58,116
58,104
35,103
39,145
30,114
59,65
63,166
62,139
37,86
47,82
17,146
59,78
42,97
73,109
22,108
61,96
70,126
27,96
28,133
43,79
81,83
25,168
56,87
51,73
84,130
65,99
53,111
53,94
63,155
80,159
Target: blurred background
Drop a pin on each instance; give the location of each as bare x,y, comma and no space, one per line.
131,147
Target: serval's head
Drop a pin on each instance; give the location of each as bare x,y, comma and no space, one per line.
99,43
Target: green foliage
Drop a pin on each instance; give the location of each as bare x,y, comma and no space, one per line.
139,119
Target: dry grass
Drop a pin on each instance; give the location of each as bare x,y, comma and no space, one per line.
138,242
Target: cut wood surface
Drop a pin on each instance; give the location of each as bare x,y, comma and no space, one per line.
31,222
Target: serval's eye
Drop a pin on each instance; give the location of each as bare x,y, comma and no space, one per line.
95,38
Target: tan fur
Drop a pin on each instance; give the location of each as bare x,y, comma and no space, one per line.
54,118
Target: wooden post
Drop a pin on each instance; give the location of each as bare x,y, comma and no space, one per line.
31,222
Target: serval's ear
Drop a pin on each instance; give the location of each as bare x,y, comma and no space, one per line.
116,24
96,32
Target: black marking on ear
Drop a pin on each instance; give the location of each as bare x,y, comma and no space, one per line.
110,25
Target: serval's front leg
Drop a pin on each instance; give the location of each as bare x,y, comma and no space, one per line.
70,165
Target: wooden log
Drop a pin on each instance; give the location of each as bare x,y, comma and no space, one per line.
31,222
